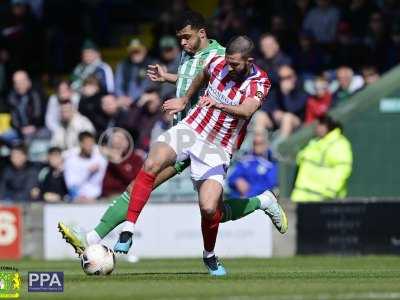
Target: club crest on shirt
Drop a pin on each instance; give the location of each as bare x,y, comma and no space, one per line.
260,95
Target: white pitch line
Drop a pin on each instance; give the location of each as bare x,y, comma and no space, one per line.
344,296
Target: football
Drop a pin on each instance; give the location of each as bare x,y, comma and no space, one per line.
98,260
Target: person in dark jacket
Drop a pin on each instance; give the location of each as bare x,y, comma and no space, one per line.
130,76
26,108
170,56
143,115
90,103
272,57
255,172
19,177
285,108
51,184
111,115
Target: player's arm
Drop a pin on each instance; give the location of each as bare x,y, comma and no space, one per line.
176,105
159,73
243,111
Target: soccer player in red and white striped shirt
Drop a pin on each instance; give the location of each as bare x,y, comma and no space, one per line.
209,135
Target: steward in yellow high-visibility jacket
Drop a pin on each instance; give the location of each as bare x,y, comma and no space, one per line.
325,164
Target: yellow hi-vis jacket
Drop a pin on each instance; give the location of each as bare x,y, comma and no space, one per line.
324,167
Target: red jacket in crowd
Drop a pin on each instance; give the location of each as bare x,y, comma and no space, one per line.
119,176
317,107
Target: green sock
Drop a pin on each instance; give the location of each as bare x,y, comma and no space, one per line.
234,209
114,215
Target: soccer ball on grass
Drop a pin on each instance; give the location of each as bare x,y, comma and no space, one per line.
98,260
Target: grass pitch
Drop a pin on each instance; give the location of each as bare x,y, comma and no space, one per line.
298,278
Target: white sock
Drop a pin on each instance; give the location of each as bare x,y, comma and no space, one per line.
128,226
266,199
92,237
207,254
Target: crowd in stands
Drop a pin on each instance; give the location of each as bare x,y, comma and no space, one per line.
317,54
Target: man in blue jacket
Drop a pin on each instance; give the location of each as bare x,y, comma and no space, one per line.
255,171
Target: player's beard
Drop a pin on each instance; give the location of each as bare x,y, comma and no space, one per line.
239,76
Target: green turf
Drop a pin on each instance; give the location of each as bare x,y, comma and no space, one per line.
369,277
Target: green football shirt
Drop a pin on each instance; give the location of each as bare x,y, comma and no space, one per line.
189,67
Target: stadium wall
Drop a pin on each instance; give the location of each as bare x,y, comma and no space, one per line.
164,230
352,226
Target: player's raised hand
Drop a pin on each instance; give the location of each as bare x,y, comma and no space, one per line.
174,105
156,73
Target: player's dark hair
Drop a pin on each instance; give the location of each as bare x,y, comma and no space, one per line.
85,134
240,44
192,18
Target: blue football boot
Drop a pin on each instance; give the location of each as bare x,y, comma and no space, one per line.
124,242
213,266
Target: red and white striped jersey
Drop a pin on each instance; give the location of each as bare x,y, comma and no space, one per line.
218,126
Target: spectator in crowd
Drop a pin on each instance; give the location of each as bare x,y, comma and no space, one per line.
72,123
285,108
63,92
90,102
228,21
322,21
84,170
130,77
143,115
370,75
123,165
3,77
395,36
300,10
282,32
19,177
308,58
391,10
348,84
26,108
319,103
325,164
170,59
51,183
379,44
111,115
23,37
161,126
272,57
254,172
346,50
357,14
91,64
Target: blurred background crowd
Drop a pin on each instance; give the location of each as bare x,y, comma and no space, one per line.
70,70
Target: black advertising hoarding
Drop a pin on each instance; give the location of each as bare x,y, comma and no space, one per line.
348,228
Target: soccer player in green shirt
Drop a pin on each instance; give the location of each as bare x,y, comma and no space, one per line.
198,50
